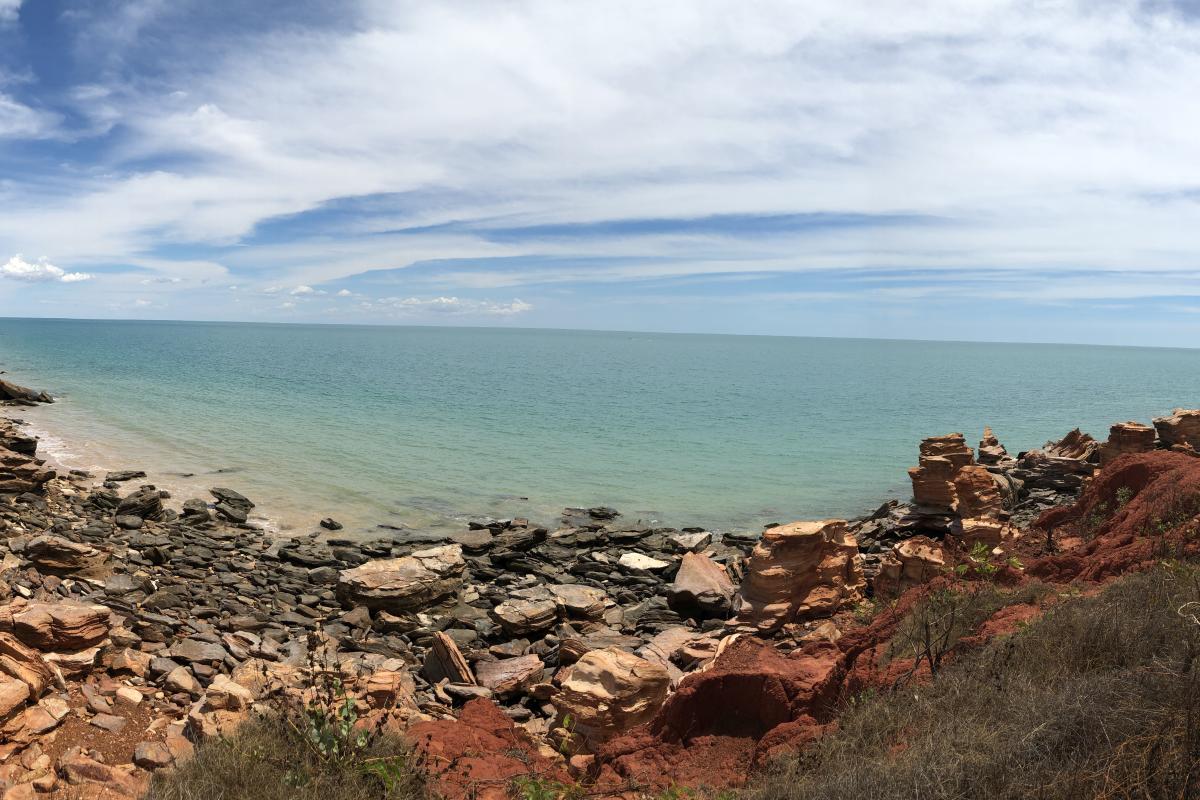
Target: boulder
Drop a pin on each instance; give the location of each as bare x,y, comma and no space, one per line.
798,572
639,562
910,563
1179,430
146,503
976,494
609,691
57,554
521,617
22,662
60,626
1127,437
389,689
509,676
1075,445
701,588
576,601
21,473
13,696
404,584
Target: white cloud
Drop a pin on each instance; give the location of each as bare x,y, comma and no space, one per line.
1013,121
41,271
345,293
9,10
302,290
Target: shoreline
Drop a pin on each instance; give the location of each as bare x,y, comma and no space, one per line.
202,618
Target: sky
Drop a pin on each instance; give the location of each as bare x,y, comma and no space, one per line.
960,169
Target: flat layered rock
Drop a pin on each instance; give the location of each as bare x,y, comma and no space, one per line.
522,617
404,584
509,676
61,555
59,626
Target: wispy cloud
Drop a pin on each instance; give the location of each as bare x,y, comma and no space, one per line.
444,153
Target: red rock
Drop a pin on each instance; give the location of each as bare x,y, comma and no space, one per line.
1146,504
25,664
64,626
13,695
1076,444
940,460
798,572
913,562
610,691
976,494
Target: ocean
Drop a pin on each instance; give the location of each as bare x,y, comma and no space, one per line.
427,427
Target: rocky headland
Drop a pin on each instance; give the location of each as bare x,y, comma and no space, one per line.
135,626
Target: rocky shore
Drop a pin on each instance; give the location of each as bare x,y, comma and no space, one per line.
134,625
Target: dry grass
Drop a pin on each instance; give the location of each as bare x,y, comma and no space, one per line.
267,759
1099,699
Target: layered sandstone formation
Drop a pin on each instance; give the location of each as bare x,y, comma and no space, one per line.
911,563
608,692
991,452
797,572
940,460
1180,430
1126,437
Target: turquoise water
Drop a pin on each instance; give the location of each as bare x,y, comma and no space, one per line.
424,426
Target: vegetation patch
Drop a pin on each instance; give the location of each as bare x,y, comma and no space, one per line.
1100,698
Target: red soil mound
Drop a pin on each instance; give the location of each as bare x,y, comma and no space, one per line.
1142,507
477,756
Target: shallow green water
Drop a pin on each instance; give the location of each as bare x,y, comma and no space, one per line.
419,426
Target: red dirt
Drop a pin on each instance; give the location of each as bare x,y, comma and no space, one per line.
477,756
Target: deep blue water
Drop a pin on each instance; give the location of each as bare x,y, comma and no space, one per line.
419,425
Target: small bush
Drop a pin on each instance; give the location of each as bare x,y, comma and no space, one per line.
269,759
1098,699
313,749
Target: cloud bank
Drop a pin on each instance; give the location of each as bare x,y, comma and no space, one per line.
686,164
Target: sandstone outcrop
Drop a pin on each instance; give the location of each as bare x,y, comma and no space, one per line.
1076,445
941,457
991,452
1180,430
406,583
797,572
610,691
1126,437
911,563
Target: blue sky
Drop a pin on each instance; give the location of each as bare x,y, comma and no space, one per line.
1021,171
